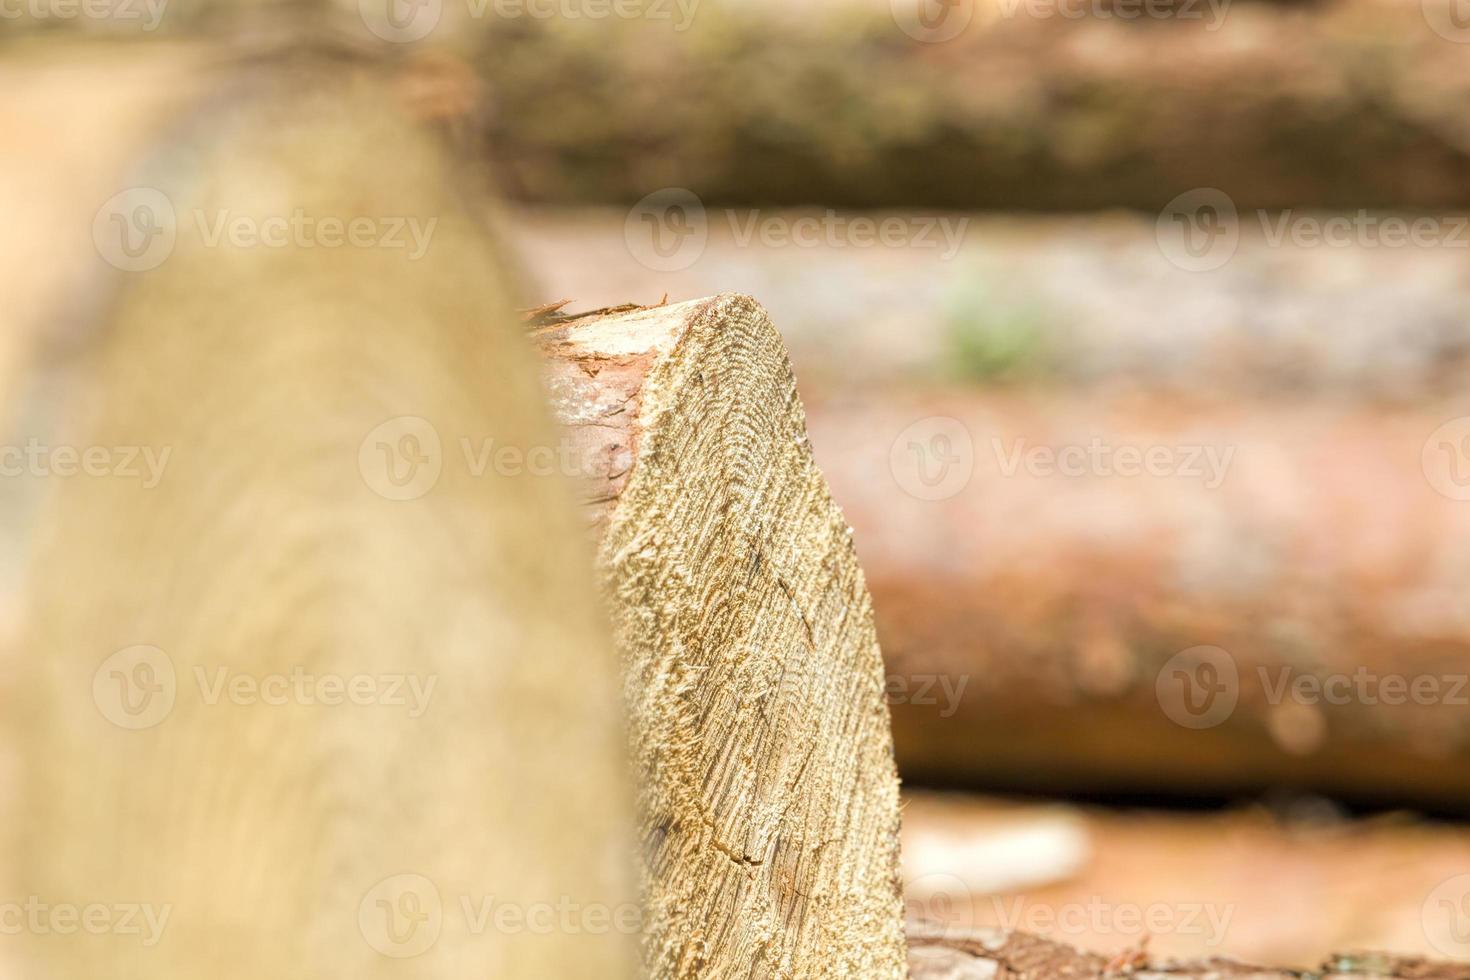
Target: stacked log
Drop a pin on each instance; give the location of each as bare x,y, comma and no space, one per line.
304,696
1043,615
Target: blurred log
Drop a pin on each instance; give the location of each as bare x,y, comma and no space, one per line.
434,787
936,954
770,798
1038,626
1031,104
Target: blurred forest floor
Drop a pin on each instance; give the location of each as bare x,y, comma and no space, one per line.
1272,885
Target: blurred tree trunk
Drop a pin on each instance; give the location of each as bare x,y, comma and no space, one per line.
302,690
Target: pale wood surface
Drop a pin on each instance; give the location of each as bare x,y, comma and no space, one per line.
271,544
769,791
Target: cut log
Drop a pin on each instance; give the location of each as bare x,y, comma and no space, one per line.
938,954
1263,118
1038,625
770,799
304,697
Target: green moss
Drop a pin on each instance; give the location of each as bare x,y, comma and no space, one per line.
991,339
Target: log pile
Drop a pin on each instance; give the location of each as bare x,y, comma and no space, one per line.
319,516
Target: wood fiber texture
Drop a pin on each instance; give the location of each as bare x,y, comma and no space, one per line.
295,529
769,794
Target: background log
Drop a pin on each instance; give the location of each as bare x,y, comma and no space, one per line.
939,954
315,516
770,797
1036,624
